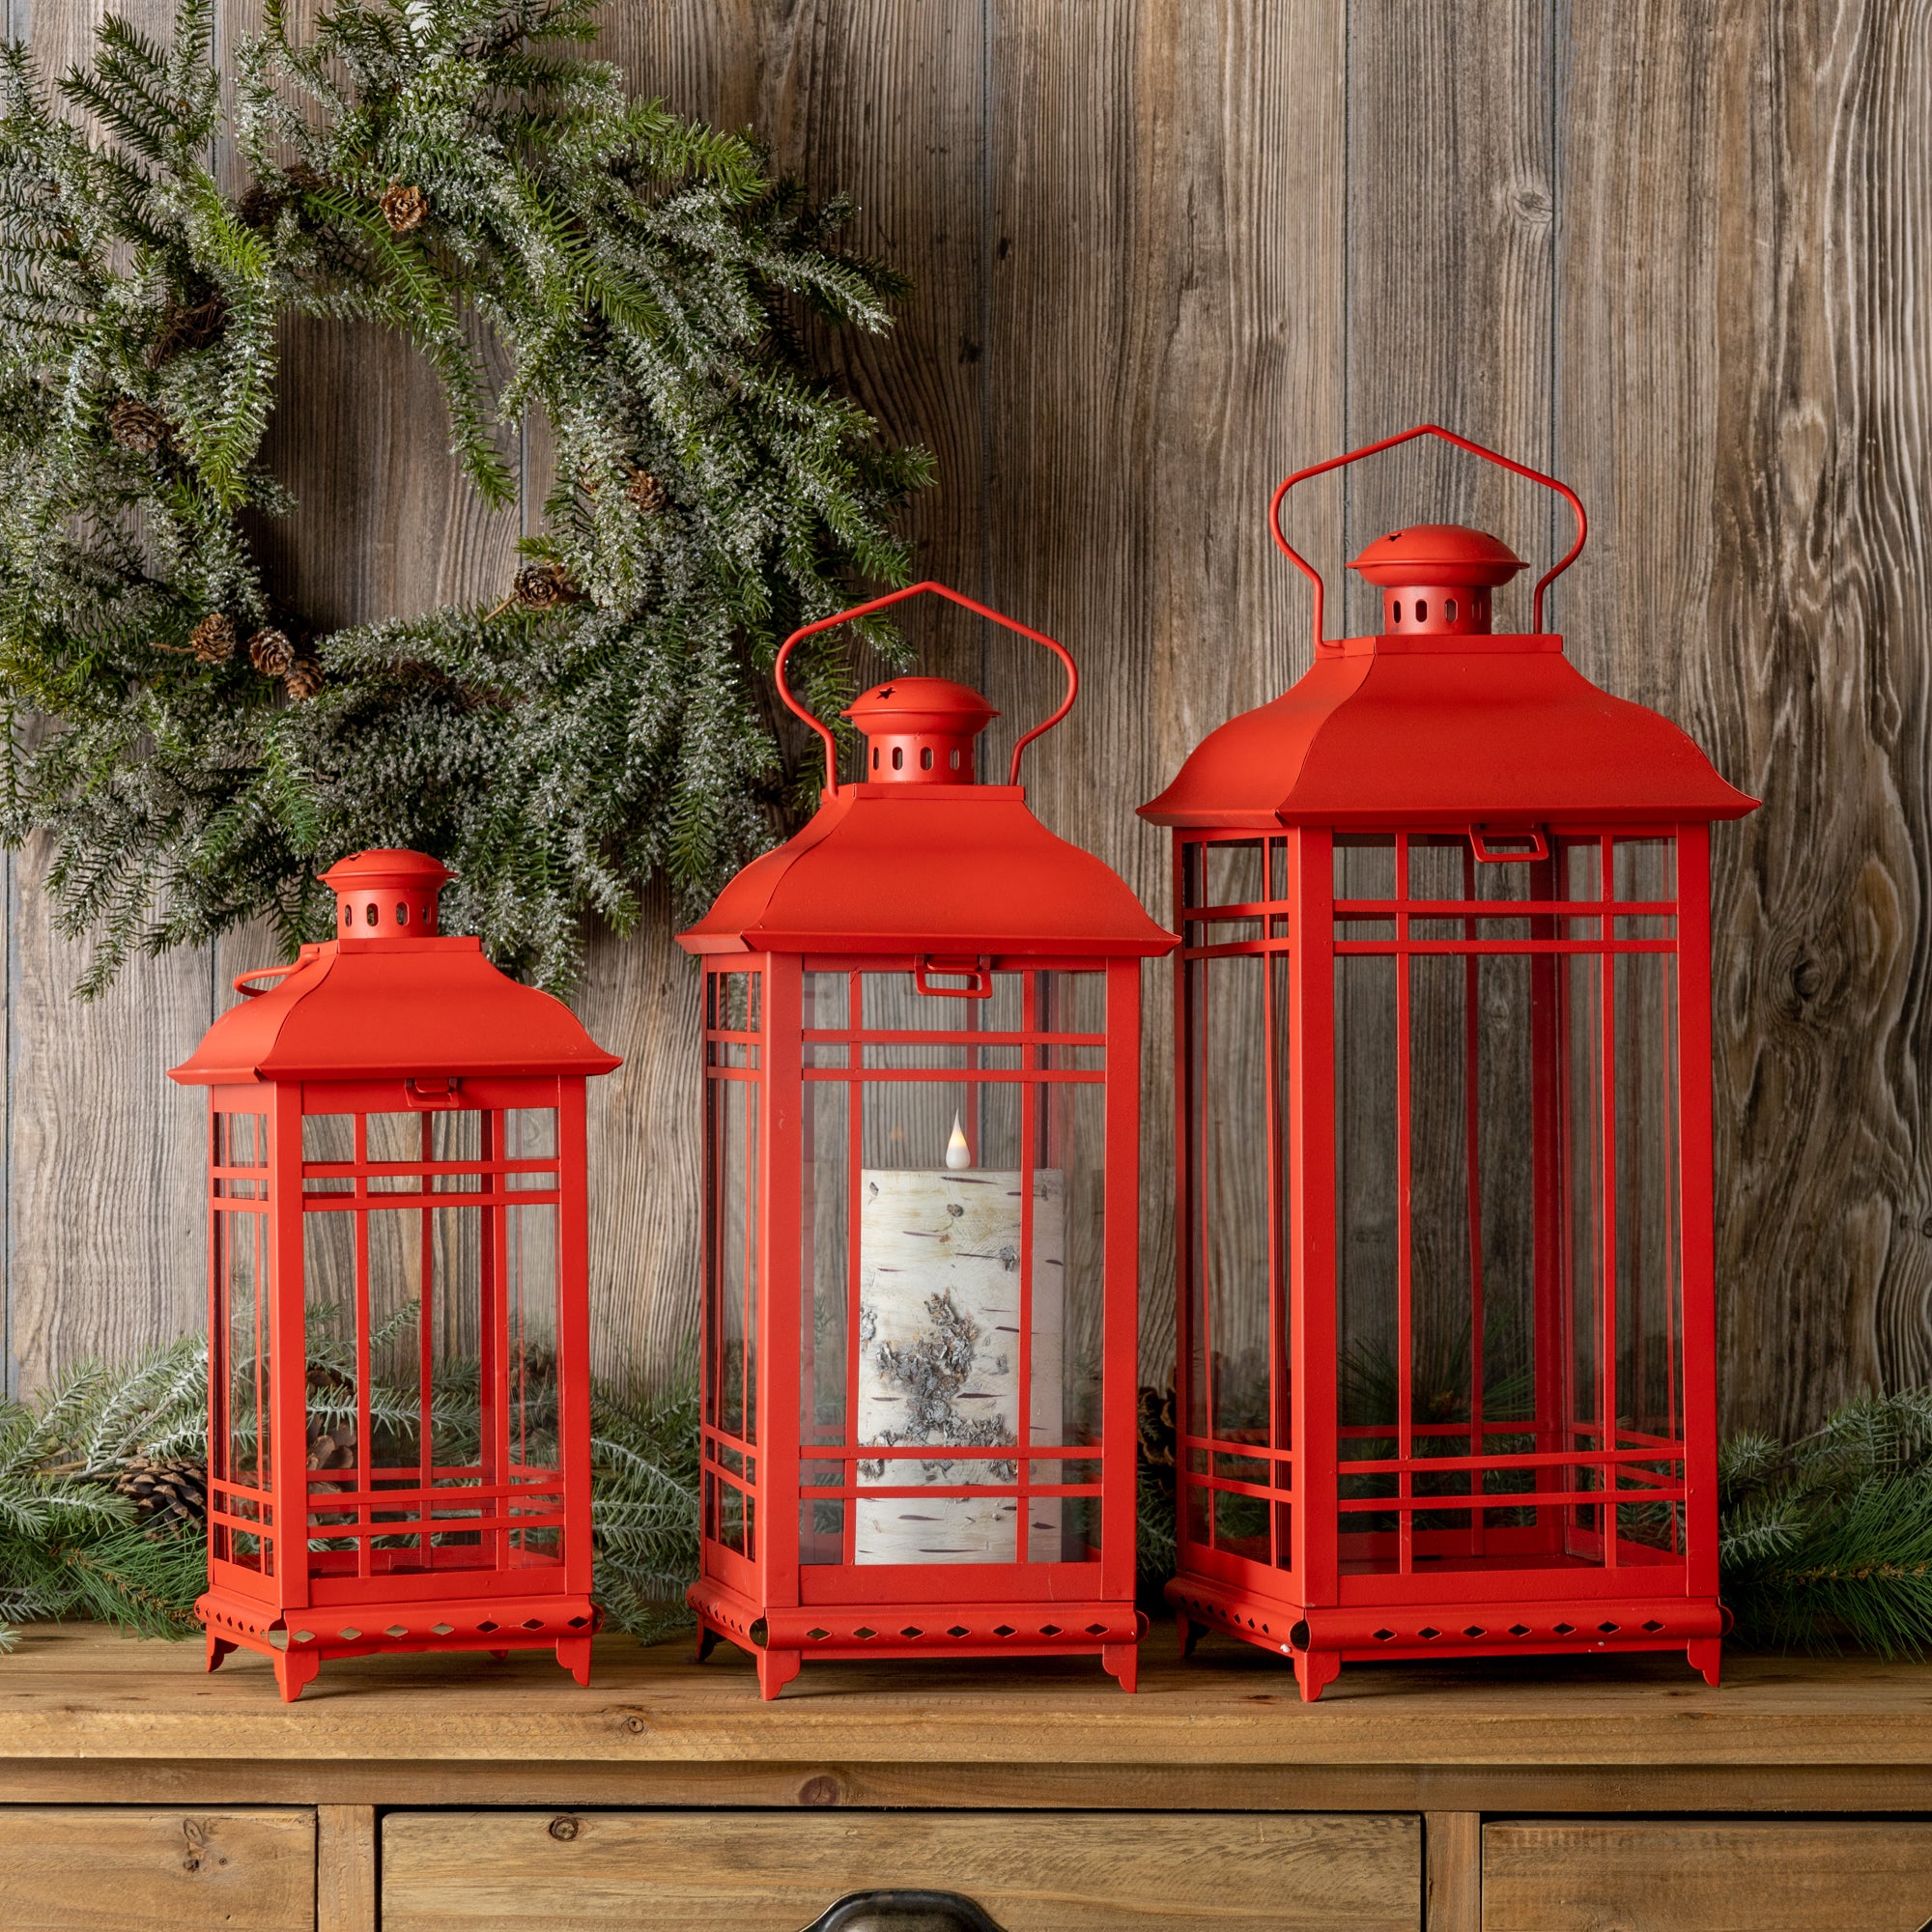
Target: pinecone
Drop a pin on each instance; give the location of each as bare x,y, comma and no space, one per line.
212,640
188,326
272,653
137,426
403,208
646,493
304,679
1157,1427
545,586
257,206
167,1495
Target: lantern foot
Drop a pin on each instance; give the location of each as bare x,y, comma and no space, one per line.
1706,1655
218,1647
573,1653
1122,1660
1314,1670
707,1641
1191,1634
776,1670
500,1655
293,1669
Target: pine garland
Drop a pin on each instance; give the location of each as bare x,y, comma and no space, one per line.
1824,1543
460,172
73,1545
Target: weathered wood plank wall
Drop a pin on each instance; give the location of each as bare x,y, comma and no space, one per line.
1167,250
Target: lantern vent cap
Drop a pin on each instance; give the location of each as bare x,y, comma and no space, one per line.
920,730
1438,555
387,893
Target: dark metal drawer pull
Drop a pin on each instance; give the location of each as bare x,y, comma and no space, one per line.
903,1911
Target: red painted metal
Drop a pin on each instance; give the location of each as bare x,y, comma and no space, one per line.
924,952
1443,1130
397,1180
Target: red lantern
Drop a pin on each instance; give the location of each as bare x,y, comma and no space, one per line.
1444,1062
398,1358
922,1129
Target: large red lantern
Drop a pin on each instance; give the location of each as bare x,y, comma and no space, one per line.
399,1451
922,1128
1444,1072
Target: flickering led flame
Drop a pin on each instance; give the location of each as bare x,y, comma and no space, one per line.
958,1154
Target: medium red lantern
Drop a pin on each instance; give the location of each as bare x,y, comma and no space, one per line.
922,1133
1446,1325
399,1450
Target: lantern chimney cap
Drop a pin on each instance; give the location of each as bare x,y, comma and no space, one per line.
1438,555
386,894
395,866
925,706
920,730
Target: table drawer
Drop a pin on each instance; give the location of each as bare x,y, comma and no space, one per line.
137,1867
673,1871
1554,1875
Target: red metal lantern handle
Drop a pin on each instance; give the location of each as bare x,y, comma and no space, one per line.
240,982
1314,576
892,597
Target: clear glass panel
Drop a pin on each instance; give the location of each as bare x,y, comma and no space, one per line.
734,1244
240,1445
1582,1087
1232,1140
1648,1220
531,1284
332,1381
240,1140
826,1261
1365,867
1234,871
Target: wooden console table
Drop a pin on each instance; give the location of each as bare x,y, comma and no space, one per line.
449,1795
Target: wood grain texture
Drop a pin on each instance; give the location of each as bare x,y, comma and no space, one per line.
1166,339
1165,252
1540,1875
881,102
1743,409
162,1870
1451,1844
83,1694
344,1868
694,1872
105,1243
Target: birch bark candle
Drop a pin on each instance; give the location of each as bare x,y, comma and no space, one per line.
939,1356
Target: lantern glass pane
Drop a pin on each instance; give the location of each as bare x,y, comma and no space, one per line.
1647,1227
397,1137
328,1138
825,1264
734,1287
1236,1321
240,1444
1234,874
531,1262
331,1377
952,1205
530,1133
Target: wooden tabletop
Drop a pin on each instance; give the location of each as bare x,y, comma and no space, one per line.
81,1707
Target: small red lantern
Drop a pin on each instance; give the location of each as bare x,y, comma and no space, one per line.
1444,1094
399,1451
922,1140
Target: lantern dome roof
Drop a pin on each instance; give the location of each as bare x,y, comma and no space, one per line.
1437,553
389,997
1446,729
943,869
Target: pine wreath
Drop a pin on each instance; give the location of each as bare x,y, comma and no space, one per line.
195,752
